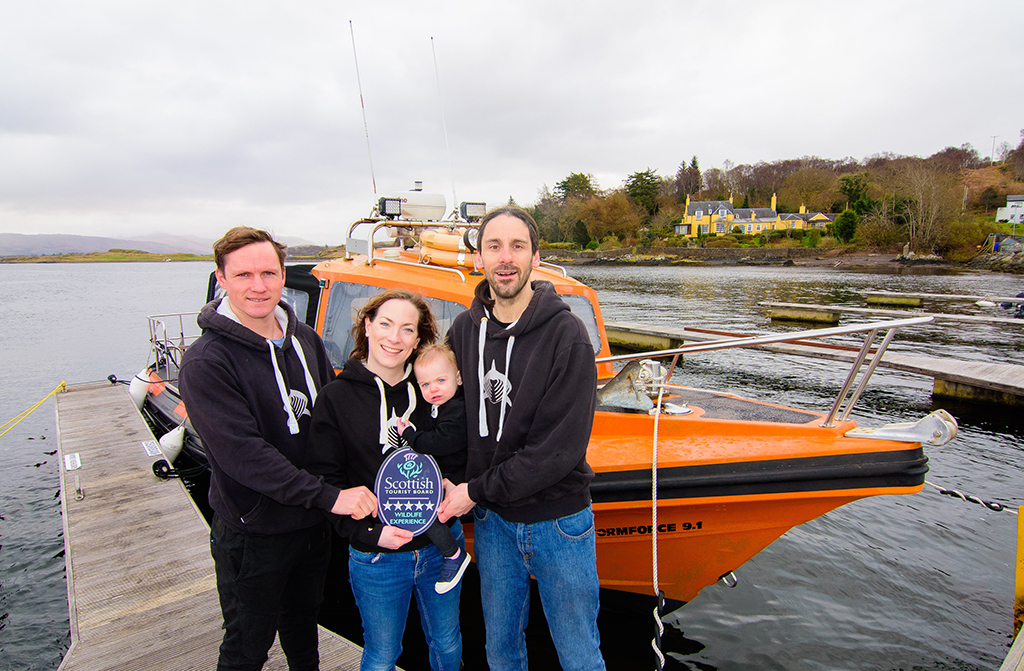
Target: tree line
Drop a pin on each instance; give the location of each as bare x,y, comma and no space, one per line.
885,200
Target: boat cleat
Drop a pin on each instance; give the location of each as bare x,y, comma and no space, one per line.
626,390
936,428
651,376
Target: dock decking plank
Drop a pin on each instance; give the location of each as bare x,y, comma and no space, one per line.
141,586
938,316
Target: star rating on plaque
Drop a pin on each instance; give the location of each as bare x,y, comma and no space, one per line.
408,505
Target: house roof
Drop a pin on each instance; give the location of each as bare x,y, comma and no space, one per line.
808,216
760,214
740,213
708,206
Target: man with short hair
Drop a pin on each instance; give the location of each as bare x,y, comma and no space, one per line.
249,383
530,406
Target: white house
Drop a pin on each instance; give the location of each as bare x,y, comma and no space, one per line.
1013,212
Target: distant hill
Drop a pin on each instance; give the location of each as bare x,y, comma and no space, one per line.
189,244
47,244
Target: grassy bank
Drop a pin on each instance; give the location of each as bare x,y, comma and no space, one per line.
109,256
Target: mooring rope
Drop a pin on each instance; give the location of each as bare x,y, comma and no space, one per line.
991,505
10,424
659,627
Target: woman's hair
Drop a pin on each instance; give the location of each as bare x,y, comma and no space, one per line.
426,327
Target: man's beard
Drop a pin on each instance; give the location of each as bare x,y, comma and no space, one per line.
504,290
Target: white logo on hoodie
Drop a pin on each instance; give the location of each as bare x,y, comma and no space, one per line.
394,439
300,404
497,387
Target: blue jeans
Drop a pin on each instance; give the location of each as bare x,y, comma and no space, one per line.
270,584
383,583
562,556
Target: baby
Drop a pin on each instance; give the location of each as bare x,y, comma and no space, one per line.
440,384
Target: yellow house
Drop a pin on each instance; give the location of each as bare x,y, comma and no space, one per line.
721,217
806,220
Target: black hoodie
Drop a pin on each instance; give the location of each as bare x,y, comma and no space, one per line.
255,446
352,433
530,399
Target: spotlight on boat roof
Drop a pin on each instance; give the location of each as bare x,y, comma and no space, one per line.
472,211
390,207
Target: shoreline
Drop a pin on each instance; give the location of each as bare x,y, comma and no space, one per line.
846,261
859,260
782,257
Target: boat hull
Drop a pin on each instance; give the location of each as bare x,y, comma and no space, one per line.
699,540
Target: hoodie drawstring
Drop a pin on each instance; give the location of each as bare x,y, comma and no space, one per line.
293,423
482,414
286,401
382,436
305,369
503,401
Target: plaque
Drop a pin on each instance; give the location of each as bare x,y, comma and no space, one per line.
408,490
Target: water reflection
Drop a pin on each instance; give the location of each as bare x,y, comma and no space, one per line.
727,298
922,581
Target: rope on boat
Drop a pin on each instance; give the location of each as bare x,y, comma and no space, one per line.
991,505
659,627
11,423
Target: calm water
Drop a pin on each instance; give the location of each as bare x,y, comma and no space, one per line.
911,582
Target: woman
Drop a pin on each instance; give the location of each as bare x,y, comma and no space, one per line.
352,432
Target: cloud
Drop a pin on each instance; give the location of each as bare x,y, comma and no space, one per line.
122,118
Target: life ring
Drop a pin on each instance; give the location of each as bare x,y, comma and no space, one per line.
448,241
446,257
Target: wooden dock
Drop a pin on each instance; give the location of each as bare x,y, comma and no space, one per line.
975,380
903,298
141,588
832,313
1015,660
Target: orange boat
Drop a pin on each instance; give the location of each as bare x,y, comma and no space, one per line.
693,481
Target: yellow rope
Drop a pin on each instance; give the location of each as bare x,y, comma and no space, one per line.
7,426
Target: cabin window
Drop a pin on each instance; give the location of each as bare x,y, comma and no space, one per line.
346,300
584,309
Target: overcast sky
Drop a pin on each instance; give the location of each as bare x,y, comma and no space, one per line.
128,118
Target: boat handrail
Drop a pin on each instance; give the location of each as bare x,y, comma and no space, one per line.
169,343
384,259
890,326
358,223
556,267
450,224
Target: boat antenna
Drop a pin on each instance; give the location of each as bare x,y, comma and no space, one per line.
363,106
437,76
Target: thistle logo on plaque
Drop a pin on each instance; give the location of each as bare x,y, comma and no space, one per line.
408,490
